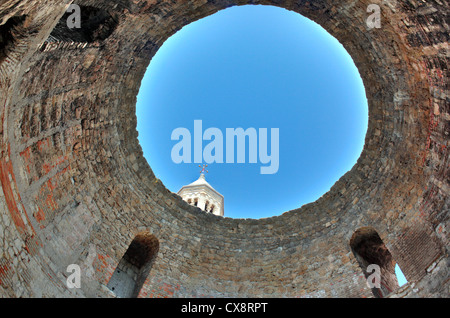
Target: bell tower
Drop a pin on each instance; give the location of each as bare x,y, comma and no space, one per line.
201,194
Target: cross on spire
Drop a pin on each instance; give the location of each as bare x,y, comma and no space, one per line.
203,168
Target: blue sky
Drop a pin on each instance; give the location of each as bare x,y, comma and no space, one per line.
260,67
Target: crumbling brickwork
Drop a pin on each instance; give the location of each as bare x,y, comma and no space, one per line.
76,189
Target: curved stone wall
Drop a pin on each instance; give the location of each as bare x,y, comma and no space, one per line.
76,188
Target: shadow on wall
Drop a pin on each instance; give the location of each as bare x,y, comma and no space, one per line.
10,32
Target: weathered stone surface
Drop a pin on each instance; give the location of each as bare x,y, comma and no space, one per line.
75,187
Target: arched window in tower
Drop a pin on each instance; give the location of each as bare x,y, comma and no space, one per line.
207,206
196,201
134,267
189,201
212,209
370,250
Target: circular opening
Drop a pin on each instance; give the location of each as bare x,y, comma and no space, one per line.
254,67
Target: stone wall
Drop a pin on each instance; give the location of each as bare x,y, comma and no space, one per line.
76,189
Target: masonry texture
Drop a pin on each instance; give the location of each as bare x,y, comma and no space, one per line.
76,189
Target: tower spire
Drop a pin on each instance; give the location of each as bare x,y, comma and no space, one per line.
202,195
